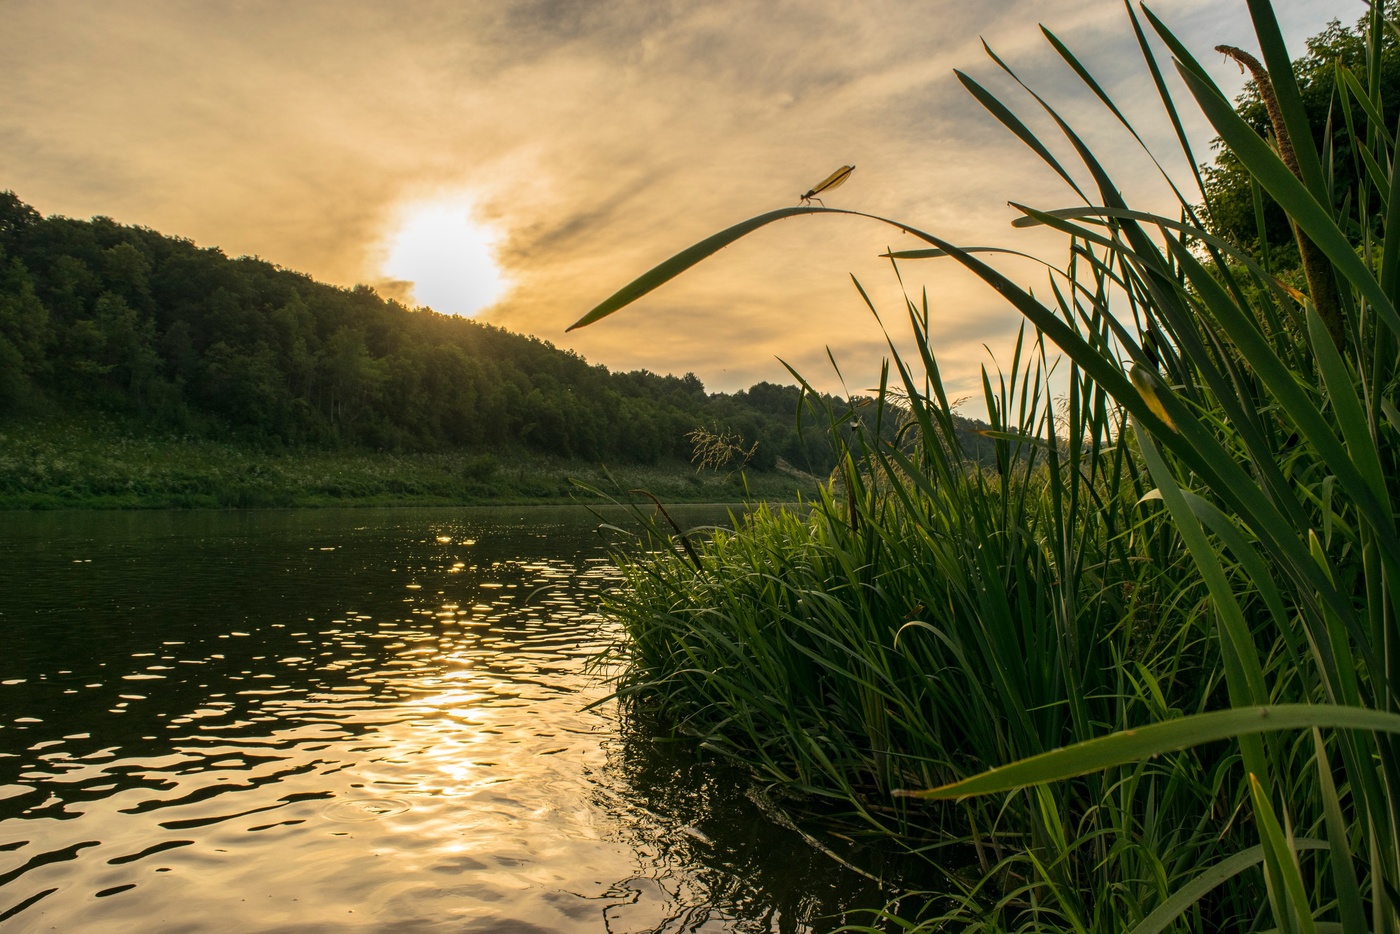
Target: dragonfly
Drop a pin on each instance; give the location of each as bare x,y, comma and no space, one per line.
826,184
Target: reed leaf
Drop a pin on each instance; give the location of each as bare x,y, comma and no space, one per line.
1158,738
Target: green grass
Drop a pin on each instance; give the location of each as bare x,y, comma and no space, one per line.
1144,673
82,465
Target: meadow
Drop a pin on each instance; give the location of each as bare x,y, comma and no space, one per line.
1138,673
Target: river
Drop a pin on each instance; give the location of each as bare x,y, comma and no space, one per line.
356,720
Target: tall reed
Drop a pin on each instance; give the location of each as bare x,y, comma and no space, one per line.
1170,605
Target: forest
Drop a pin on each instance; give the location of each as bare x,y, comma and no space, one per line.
124,324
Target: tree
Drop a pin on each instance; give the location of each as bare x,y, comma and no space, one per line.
24,333
1229,192
103,317
16,219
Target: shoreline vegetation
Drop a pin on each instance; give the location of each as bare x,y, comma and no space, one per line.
1139,670
86,466
139,369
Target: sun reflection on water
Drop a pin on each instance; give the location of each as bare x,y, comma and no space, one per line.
340,747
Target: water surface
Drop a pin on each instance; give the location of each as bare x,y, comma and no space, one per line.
354,720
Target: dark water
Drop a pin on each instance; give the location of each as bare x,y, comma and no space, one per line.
353,720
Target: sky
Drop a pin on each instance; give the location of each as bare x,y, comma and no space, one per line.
520,160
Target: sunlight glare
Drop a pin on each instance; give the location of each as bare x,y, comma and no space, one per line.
447,256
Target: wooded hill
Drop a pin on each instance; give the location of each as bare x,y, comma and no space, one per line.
99,318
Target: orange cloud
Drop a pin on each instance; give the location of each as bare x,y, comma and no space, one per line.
597,139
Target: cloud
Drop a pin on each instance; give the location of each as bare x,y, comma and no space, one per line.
597,139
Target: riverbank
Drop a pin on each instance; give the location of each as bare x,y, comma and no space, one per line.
85,466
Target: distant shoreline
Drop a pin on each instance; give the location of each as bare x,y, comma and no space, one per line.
82,466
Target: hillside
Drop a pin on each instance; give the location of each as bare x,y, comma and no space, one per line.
116,339
97,316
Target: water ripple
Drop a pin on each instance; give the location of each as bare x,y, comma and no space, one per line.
350,721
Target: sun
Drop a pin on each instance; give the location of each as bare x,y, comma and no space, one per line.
446,255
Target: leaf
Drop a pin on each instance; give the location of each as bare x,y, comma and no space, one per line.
1349,903
1127,746
1151,389
1280,861
934,254
1166,99
1290,101
1013,123
1358,94
1347,411
1243,672
1295,199
1102,95
665,272
1183,898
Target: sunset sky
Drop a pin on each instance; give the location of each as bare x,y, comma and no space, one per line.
534,155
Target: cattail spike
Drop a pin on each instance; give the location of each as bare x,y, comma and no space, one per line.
1322,283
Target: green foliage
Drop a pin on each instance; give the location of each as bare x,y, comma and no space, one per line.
121,322
1229,190
24,334
1141,673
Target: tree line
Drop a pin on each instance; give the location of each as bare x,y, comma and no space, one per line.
111,320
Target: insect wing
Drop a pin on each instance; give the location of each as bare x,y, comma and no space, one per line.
833,180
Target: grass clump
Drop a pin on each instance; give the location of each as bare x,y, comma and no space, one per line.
1141,672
